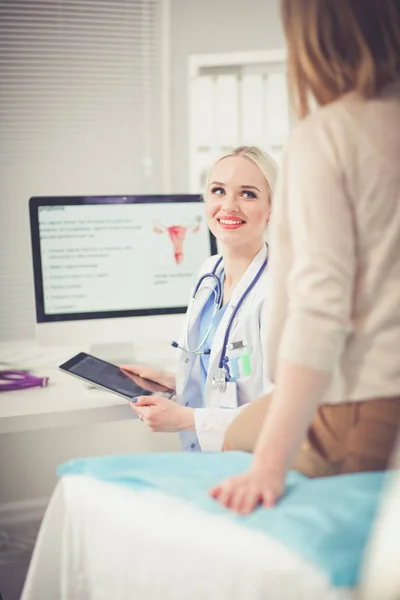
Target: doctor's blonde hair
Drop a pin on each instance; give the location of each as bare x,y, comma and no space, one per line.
265,163
340,46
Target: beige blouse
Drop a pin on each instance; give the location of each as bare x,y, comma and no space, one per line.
335,248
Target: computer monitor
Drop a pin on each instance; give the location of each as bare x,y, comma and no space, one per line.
111,270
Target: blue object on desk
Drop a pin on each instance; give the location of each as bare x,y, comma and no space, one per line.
327,521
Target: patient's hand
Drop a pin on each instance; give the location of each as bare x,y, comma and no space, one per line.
164,378
243,493
162,414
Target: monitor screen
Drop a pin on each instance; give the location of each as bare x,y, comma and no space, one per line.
116,256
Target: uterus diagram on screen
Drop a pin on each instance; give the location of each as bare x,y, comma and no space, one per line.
177,235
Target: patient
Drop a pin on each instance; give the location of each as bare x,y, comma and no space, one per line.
334,315
225,329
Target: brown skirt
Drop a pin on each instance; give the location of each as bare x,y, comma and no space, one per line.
343,438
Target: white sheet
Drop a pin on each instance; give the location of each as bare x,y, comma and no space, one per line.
381,573
100,541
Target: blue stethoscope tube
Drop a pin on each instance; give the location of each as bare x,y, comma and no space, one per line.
218,294
223,369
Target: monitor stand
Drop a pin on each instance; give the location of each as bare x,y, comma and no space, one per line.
118,353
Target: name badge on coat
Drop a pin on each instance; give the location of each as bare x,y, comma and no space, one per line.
227,398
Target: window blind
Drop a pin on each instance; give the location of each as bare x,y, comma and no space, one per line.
80,113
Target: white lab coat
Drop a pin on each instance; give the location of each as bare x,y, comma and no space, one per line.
249,324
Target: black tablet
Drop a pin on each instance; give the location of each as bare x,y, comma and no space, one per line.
109,377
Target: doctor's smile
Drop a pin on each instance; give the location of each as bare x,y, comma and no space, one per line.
229,223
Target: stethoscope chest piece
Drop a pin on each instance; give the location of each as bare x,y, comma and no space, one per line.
219,380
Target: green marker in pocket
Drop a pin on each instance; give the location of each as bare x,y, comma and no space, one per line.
246,368
238,353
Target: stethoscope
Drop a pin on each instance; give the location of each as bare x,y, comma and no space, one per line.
20,380
220,379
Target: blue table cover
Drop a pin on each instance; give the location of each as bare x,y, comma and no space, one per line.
327,521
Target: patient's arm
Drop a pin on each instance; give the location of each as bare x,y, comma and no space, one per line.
243,432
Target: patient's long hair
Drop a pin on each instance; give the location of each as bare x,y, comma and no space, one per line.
338,46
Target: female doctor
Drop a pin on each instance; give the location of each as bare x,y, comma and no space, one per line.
222,364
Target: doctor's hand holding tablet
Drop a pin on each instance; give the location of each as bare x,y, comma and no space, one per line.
156,376
222,364
157,412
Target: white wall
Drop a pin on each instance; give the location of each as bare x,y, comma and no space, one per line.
212,26
29,459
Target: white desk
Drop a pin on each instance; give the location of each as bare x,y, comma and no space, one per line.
41,427
66,401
